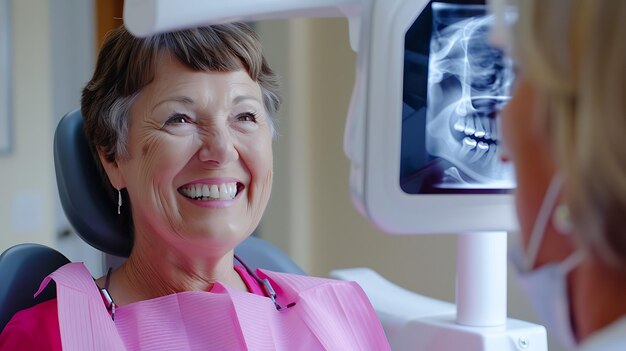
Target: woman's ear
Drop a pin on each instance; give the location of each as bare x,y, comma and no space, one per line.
113,171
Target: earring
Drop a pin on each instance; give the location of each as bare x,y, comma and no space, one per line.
562,220
119,201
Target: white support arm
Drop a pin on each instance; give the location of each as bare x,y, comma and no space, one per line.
146,17
414,322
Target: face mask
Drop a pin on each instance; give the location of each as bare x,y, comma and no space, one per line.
546,286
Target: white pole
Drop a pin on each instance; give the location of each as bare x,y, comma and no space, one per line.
481,279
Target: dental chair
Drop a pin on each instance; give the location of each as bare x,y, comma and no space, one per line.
89,210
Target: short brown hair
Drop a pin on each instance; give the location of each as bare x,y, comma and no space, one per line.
126,64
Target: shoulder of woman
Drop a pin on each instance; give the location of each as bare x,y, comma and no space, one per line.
35,328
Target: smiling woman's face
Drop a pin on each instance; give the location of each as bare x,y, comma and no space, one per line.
199,171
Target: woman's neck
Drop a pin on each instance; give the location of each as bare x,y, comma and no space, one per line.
155,270
597,297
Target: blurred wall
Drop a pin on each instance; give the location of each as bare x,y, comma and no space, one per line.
27,177
53,56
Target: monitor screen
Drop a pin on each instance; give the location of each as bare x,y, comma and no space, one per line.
454,86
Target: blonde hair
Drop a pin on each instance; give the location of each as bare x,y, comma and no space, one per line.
574,52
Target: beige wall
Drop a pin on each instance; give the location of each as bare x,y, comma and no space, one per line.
27,203
52,55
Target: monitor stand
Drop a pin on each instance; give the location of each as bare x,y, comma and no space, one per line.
478,321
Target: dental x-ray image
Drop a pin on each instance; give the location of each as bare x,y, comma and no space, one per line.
455,84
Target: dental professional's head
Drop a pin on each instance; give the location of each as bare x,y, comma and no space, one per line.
568,114
564,130
184,122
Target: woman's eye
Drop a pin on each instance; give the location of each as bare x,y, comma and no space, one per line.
247,117
178,118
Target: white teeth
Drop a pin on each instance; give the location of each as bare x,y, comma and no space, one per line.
225,191
467,145
480,131
470,129
487,127
459,126
478,127
214,192
491,153
481,149
205,190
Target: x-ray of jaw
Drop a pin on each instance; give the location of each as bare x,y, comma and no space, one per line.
468,84
454,86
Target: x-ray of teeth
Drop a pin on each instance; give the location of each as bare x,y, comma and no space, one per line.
455,85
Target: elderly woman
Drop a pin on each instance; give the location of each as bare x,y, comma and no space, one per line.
183,123
564,129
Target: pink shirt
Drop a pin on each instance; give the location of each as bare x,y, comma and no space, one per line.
37,328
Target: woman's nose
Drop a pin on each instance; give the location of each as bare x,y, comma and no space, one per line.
217,148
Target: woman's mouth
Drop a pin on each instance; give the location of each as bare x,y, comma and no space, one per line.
204,192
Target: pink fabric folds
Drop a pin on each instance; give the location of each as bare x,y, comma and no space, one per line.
84,322
327,315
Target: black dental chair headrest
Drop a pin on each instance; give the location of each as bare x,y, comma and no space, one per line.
84,197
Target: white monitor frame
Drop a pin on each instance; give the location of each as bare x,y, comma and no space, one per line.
375,175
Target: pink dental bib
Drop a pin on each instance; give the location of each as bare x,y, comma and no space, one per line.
327,315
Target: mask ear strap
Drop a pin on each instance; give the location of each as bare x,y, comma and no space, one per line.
541,222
